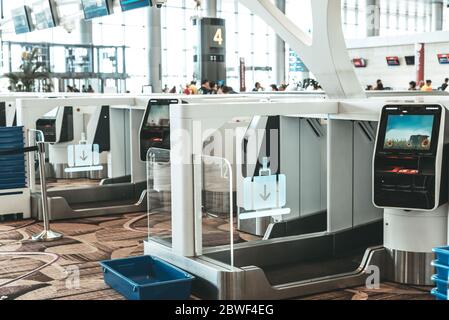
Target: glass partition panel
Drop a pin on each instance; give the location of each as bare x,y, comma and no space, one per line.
284,169
279,190
88,165
83,150
159,196
217,215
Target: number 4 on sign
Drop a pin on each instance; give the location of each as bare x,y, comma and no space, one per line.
218,38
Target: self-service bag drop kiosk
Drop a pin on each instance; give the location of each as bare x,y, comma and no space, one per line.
410,183
155,143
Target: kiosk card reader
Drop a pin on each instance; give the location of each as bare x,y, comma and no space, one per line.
410,182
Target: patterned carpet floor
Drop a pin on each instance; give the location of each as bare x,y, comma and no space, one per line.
76,274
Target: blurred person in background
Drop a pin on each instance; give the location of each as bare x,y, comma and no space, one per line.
258,87
205,87
379,85
445,84
421,84
428,86
213,87
412,86
187,90
192,87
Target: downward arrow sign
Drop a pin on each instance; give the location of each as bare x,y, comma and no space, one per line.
83,156
265,196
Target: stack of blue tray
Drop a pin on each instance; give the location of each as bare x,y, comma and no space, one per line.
12,167
441,279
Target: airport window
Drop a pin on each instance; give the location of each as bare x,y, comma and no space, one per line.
250,37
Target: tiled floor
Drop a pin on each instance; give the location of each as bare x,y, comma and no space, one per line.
90,240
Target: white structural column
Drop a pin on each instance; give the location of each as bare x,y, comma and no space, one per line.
280,50
154,49
210,7
437,15
372,18
85,32
325,54
181,154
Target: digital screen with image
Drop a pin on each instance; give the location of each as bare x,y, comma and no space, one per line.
21,20
409,132
134,4
43,15
95,8
159,116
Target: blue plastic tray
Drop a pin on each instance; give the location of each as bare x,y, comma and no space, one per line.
442,270
442,255
438,294
147,278
442,285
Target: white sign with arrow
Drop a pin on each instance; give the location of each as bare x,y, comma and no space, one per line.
264,195
83,157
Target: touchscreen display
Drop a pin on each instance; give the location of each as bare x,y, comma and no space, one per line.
409,132
159,116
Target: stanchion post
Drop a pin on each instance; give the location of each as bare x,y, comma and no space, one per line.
47,234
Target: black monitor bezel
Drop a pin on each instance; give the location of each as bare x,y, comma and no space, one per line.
410,60
153,102
388,110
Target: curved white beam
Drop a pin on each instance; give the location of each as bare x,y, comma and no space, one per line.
325,54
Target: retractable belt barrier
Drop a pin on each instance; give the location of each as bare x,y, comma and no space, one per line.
12,152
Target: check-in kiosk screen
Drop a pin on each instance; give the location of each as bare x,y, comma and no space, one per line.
159,117
155,131
409,132
406,167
